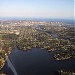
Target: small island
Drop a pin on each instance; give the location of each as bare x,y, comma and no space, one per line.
64,55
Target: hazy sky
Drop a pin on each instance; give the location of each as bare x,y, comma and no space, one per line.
37,8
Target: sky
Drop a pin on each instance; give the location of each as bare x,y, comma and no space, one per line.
37,8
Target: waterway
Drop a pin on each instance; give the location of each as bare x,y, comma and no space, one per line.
35,62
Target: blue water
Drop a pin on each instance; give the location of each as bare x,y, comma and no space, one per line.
68,21
37,62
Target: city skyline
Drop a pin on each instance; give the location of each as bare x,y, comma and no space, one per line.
37,8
